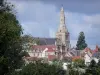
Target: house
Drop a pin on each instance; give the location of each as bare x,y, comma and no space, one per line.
43,51
51,54
96,56
58,47
89,55
87,59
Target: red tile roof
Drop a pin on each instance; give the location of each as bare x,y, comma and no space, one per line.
50,50
44,46
92,51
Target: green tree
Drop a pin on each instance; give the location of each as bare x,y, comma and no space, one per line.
98,64
72,70
37,41
28,41
10,39
81,44
79,63
92,64
40,69
92,69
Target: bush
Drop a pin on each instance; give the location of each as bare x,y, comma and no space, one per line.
40,69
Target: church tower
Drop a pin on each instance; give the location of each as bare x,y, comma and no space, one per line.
62,37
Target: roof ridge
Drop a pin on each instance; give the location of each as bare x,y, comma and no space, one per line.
44,37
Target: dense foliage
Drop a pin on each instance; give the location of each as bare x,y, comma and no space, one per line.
81,44
10,39
79,63
40,69
11,51
28,41
92,69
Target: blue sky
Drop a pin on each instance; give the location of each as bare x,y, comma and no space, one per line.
41,18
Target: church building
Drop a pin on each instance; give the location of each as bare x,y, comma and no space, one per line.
62,37
55,48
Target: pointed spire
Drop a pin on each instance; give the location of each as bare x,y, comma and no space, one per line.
62,9
62,16
62,27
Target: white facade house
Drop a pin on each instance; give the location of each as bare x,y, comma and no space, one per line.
87,59
38,53
44,53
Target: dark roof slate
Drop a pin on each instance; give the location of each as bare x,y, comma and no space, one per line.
46,41
76,52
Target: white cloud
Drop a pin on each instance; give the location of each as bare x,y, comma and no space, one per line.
29,27
52,33
39,19
93,19
73,43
